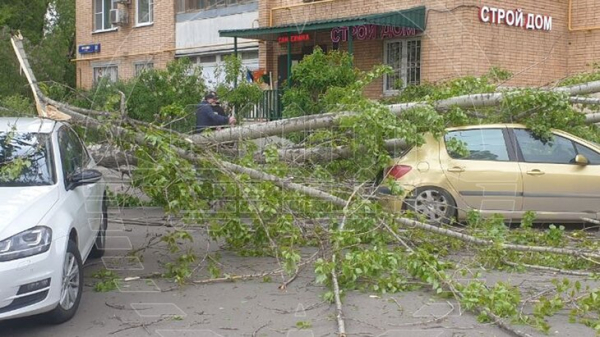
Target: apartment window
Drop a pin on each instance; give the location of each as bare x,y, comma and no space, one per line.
207,59
404,56
250,55
102,14
142,66
145,12
197,5
107,73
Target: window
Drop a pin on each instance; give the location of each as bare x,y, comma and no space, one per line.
73,155
142,66
250,55
207,59
482,144
35,148
592,156
404,56
102,14
145,12
109,73
559,150
196,5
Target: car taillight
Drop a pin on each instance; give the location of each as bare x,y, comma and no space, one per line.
397,171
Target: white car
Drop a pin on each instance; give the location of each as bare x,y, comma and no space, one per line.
52,218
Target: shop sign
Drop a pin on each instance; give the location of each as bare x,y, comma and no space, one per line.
515,18
294,38
89,48
371,32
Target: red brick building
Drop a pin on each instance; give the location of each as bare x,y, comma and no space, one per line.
119,38
424,40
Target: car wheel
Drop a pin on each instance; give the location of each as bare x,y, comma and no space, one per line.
71,287
100,244
435,204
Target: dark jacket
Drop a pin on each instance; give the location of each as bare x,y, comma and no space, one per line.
206,117
219,109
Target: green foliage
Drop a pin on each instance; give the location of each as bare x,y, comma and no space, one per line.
318,74
26,16
591,76
502,300
53,54
180,269
303,325
13,83
108,280
12,170
456,87
48,27
16,106
168,97
541,111
241,95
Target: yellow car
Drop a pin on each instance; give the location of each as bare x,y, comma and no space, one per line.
507,171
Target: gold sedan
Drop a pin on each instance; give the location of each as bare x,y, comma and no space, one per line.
506,170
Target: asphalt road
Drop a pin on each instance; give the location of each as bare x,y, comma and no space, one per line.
150,306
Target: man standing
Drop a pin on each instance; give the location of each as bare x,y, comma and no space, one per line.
207,118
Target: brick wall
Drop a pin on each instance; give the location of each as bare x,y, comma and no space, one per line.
584,44
456,43
127,45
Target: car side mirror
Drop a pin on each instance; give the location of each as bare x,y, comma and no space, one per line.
83,177
581,160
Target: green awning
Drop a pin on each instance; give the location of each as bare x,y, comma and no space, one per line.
410,18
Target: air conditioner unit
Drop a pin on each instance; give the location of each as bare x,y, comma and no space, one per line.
119,17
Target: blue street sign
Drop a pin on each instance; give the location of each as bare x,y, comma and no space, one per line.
89,48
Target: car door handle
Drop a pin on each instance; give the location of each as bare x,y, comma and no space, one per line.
535,172
456,169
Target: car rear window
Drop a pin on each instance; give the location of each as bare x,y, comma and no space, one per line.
25,159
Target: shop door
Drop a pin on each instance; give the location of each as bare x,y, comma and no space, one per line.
282,73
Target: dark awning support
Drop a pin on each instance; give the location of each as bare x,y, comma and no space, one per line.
410,18
350,46
235,53
289,60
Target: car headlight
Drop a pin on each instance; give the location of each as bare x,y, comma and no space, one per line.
33,241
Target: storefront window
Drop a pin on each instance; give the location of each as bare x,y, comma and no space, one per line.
404,56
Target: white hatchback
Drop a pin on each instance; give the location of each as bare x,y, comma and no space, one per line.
52,217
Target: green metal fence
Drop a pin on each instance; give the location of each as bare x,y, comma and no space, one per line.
271,106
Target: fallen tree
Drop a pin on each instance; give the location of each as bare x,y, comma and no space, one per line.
181,171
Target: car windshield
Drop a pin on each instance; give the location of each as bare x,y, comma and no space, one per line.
25,159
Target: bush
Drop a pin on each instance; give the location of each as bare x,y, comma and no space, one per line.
17,106
315,76
169,95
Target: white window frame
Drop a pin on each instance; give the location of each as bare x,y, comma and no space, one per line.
403,62
150,21
104,67
113,5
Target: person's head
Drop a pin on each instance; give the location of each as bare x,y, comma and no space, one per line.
211,97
